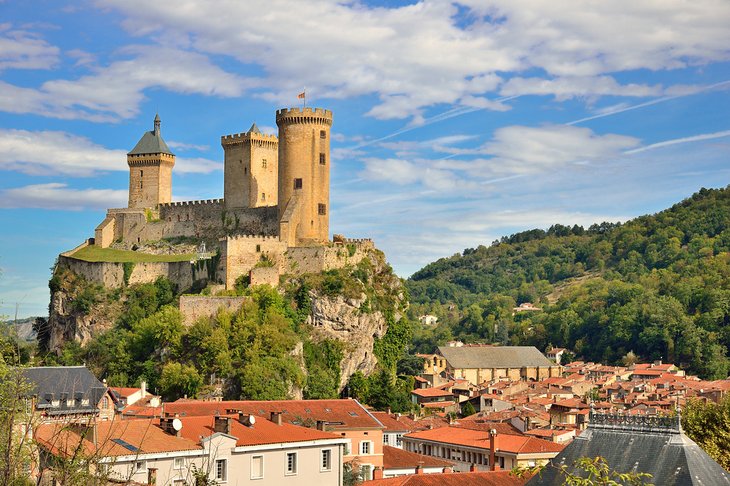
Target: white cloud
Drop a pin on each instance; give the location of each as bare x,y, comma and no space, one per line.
187,146
676,141
59,196
521,149
20,49
55,152
416,56
564,88
116,91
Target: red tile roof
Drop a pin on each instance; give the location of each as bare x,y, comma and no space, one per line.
339,414
491,478
394,458
261,433
475,438
142,434
432,392
124,392
396,422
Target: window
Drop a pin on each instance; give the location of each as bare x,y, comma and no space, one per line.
322,209
263,163
84,402
258,248
221,472
291,462
398,440
55,403
322,159
263,196
297,183
326,464
365,447
104,402
71,403
385,439
366,472
179,463
257,467
139,466
245,170
322,134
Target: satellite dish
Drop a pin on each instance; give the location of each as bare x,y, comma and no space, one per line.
251,420
177,425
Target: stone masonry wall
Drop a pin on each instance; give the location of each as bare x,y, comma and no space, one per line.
193,307
111,274
240,254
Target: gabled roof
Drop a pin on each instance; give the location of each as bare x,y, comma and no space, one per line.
394,458
113,438
339,414
491,478
395,423
151,142
514,444
261,433
68,385
431,392
469,357
654,445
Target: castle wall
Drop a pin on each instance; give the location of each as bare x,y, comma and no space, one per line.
111,274
240,254
194,307
264,276
104,233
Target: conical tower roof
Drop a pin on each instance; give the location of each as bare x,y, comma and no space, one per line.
151,142
254,129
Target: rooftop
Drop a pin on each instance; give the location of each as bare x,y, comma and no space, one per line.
468,357
394,458
151,142
514,444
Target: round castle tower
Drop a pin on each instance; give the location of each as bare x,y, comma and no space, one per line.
304,174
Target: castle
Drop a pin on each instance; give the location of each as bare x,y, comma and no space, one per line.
273,218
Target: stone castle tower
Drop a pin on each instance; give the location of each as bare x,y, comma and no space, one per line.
304,175
150,170
250,169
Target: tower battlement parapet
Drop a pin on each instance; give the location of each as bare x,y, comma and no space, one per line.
251,238
303,115
249,137
191,203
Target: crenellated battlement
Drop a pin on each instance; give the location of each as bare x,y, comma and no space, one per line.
191,203
250,238
304,115
249,137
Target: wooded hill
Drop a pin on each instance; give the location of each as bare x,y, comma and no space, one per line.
657,286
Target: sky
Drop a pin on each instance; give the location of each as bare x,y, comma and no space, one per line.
455,122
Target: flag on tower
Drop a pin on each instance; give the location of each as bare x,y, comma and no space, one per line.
301,95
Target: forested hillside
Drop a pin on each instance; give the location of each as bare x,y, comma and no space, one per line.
657,286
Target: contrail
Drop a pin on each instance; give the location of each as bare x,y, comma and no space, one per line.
454,112
694,138
648,103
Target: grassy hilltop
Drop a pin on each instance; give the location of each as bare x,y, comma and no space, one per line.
657,286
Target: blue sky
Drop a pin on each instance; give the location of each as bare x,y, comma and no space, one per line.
455,122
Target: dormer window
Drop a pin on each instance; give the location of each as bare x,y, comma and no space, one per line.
84,402
55,403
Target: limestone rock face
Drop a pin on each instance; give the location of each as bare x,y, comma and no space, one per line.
66,324
342,319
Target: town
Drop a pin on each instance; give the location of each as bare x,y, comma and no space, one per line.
477,410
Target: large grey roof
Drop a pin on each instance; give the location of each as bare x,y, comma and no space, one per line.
638,445
151,142
493,356
63,384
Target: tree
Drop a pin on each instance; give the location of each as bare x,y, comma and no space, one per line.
179,380
595,471
16,453
467,409
708,424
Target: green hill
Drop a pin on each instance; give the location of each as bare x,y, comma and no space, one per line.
658,286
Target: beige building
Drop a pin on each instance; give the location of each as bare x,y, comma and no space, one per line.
485,363
234,449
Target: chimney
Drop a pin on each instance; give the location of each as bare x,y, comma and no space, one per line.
321,425
492,447
222,424
473,468
419,469
378,473
143,386
447,470
276,417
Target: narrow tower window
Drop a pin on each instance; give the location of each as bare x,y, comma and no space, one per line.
322,159
322,209
297,183
263,163
322,134
263,196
